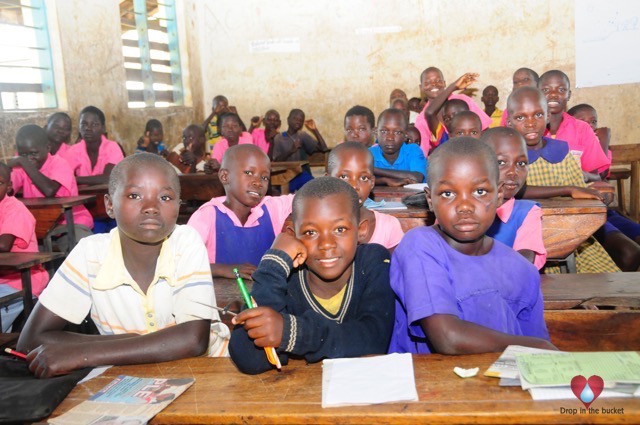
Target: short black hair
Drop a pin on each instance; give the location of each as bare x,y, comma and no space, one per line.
461,147
491,134
556,72
32,132
531,72
142,160
5,171
489,87
153,124
429,69
332,161
525,91
96,111
462,115
220,97
455,102
227,115
360,110
57,115
322,187
296,111
581,107
239,152
396,112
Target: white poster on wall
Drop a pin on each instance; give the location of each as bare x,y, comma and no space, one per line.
607,42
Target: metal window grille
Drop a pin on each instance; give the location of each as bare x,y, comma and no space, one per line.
26,67
151,53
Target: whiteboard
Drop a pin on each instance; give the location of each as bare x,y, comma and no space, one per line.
607,42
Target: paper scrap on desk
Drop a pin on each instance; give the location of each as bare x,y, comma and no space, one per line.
388,205
466,373
368,380
506,367
94,373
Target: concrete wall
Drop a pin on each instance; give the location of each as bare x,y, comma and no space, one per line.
343,60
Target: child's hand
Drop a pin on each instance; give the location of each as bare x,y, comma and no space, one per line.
49,360
586,193
233,110
187,157
145,140
311,125
466,80
293,247
263,325
245,270
16,161
606,190
256,121
211,166
220,109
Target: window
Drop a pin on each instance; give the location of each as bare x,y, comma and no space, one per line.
151,53
26,69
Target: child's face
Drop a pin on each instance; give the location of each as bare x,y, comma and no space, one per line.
490,96
191,136
358,129
35,152
220,105
414,105
512,162
295,121
432,84
356,168
464,198
466,126
330,232
589,116
413,136
246,179
450,111
5,183
91,129
529,119
146,207
59,130
523,78
391,134
272,121
230,129
156,135
556,90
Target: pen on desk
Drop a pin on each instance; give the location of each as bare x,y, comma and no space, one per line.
272,356
15,353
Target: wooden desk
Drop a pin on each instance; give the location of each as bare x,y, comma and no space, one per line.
392,194
23,261
200,187
630,154
221,394
96,207
283,172
591,290
48,212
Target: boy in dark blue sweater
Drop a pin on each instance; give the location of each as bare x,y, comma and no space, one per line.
320,295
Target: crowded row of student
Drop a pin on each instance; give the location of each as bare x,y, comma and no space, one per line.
148,283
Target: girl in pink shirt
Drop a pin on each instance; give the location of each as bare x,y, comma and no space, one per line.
58,130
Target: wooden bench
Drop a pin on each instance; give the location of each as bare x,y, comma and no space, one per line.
630,155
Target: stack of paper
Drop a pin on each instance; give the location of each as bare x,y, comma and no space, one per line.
368,380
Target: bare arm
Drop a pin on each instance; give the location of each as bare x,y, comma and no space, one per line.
99,179
431,113
414,176
226,270
55,352
6,242
528,254
450,335
48,187
538,192
311,125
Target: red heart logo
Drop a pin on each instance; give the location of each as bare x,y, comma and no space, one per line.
587,391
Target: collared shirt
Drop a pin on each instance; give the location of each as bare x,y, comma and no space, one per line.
496,117
222,145
388,231
260,139
553,165
94,279
108,153
529,234
410,158
204,219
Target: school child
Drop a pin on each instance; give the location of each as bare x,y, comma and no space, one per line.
265,137
583,143
432,84
465,124
396,163
296,145
450,109
239,228
320,294
523,77
211,126
353,163
588,114
518,222
553,171
400,104
413,135
191,158
58,130
232,135
490,98
41,175
146,284
459,291
359,124
152,140
94,156
17,234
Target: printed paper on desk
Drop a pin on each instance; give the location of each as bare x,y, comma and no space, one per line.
369,380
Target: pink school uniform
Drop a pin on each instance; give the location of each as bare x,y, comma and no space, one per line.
260,140
204,220
222,145
108,153
58,169
63,151
423,127
583,143
16,220
388,231
529,234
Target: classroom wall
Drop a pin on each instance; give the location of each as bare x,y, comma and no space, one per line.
91,70
342,61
